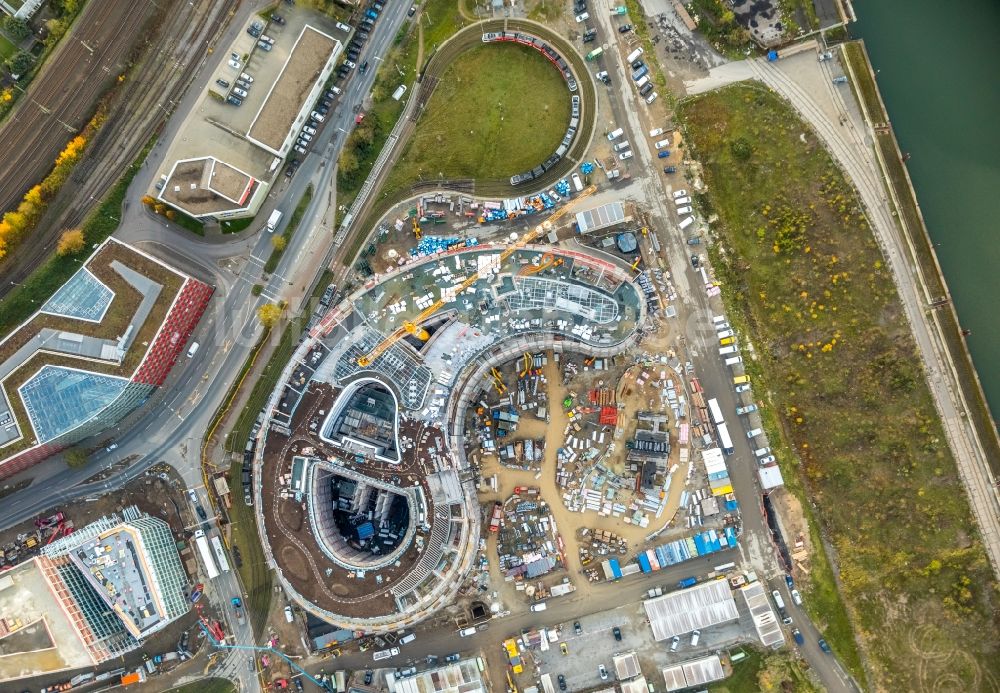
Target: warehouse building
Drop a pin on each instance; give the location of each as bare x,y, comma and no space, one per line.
602,217
701,606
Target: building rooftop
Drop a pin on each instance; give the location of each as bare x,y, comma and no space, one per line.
83,297
37,635
58,399
690,609
282,110
206,186
601,217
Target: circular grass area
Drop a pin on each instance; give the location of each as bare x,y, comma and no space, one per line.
499,109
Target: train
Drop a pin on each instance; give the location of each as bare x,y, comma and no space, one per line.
540,46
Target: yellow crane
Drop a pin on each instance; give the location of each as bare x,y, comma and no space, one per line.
413,326
635,265
498,382
417,232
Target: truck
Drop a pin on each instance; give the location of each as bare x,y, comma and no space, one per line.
595,54
497,515
273,220
206,554
687,582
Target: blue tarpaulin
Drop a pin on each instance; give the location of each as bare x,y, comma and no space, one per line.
366,530
644,563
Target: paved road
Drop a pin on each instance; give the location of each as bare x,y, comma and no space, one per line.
171,428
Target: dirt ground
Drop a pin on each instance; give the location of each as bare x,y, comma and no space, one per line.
567,521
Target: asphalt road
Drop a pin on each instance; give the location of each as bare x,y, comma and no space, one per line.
172,427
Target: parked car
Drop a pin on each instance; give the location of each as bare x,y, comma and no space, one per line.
687,209
562,682
267,39
222,83
577,628
412,11
796,597
582,17
617,632
675,643
823,646
264,46
766,459
235,64
663,154
656,132
350,64
603,671
677,194
277,18
307,129
624,28
240,92
564,648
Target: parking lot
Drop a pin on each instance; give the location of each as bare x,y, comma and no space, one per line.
218,128
596,645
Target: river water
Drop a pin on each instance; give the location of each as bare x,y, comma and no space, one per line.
937,70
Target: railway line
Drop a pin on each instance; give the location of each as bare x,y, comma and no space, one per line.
60,101
160,76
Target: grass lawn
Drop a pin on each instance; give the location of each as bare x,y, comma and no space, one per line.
237,225
836,361
513,108
206,686
775,671
293,223
7,49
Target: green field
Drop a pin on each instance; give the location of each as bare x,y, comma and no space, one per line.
775,671
836,360
206,686
498,110
7,48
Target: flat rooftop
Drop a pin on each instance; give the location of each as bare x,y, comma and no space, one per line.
312,51
113,565
36,634
207,186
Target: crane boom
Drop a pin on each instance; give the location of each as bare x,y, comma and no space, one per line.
413,326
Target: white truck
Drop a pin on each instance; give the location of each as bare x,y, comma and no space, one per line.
273,220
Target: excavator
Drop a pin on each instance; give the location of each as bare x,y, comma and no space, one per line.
417,232
413,326
498,382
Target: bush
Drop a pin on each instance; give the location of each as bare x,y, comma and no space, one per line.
16,28
76,457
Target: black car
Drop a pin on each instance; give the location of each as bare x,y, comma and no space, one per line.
200,510
624,28
369,676
695,261
322,110
353,55
277,19
364,67
579,7
577,628
298,684
222,83
637,63
363,35
562,682
617,633
590,36
412,11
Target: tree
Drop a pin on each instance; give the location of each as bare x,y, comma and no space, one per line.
348,163
71,242
16,28
268,314
20,63
76,457
279,242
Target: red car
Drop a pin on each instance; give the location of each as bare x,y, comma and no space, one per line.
280,683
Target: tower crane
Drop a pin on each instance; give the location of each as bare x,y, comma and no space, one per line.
413,326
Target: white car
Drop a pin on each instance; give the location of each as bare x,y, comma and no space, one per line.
582,17
300,150
305,137
317,117
343,27
725,333
681,201
766,459
684,210
680,193
796,597
625,155
675,643
656,132
652,97
235,64
337,90
311,131
662,143
239,92
267,39
743,388
351,64
246,78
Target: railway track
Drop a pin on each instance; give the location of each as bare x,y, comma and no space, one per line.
61,100
160,76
